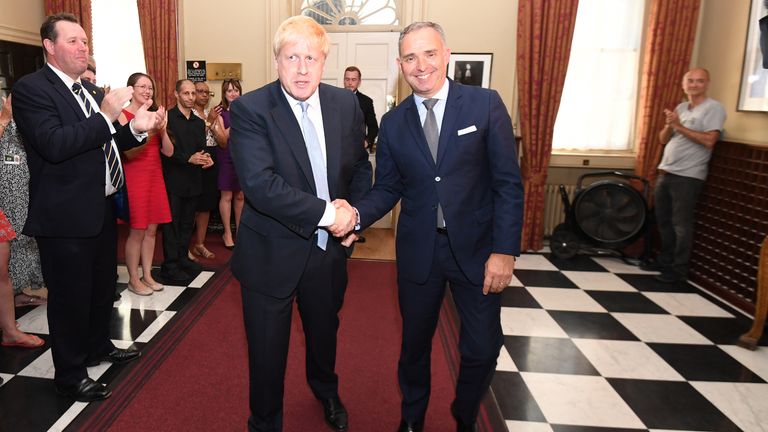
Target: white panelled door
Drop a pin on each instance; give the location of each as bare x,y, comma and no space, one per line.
375,54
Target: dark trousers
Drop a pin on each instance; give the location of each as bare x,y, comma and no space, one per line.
319,296
80,276
675,200
480,336
178,232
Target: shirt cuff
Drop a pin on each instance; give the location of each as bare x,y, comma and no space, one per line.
137,135
109,123
329,216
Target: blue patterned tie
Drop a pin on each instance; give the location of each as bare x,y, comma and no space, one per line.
318,166
115,173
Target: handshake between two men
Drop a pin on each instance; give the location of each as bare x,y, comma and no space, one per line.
345,222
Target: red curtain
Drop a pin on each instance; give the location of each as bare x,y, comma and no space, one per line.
80,8
544,34
667,56
157,19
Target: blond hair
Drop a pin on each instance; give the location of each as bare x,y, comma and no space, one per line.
301,27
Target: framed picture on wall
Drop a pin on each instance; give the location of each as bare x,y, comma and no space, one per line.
471,68
753,92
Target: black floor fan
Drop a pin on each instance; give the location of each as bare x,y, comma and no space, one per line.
604,218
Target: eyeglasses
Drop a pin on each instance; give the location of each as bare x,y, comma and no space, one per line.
144,87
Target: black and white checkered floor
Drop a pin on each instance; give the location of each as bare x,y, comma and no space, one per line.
592,343
28,402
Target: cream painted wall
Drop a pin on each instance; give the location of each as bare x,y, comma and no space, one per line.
490,28
231,33
20,21
720,49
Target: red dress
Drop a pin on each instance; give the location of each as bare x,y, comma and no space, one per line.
6,230
147,198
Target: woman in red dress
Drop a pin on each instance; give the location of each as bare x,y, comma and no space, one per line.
147,198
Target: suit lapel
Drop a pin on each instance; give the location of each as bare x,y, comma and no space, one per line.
416,129
291,131
450,115
332,130
62,90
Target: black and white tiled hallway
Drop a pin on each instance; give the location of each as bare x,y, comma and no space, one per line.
593,344
28,402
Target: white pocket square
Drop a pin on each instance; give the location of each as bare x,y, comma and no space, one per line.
467,130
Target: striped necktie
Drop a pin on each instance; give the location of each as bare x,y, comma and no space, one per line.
115,172
318,166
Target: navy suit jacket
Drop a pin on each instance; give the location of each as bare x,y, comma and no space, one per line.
282,210
476,180
64,152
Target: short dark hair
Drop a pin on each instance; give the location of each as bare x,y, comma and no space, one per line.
354,69
48,29
418,25
180,82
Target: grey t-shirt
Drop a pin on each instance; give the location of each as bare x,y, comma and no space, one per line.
685,157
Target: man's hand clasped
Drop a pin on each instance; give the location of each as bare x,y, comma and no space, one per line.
344,225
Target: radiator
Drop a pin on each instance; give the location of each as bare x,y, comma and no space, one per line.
554,211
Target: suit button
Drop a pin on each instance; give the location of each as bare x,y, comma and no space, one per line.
434,207
437,179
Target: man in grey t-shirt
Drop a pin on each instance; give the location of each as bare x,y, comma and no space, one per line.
689,136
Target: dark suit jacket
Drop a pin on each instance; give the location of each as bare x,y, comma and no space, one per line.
369,114
282,210
476,180
64,152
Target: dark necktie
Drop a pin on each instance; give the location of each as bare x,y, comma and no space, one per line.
318,166
433,137
115,172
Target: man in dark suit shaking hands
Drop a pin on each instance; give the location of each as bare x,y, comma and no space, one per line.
296,145
72,139
352,77
448,151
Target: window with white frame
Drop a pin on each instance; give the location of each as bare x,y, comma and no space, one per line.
351,12
117,45
597,110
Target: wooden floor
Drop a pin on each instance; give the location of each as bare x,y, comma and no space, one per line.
379,245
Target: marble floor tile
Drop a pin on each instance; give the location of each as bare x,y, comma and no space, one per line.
598,281
534,262
626,359
522,426
687,304
565,299
504,362
155,327
201,279
529,322
617,265
660,328
35,321
746,404
757,360
580,400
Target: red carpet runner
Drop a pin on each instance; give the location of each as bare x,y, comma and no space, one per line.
202,383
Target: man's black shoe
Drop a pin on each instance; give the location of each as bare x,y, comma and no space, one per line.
406,426
460,425
87,390
669,277
335,414
117,356
174,276
650,266
360,239
190,266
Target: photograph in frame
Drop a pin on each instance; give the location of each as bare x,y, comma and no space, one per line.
753,91
471,69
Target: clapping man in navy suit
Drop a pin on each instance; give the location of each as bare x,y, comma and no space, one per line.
448,152
72,139
296,145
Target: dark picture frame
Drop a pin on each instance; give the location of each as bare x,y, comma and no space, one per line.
753,91
471,68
